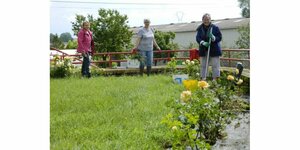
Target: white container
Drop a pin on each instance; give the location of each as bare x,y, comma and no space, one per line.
123,64
133,63
179,78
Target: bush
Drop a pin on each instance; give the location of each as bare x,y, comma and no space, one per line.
199,117
192,68
61,68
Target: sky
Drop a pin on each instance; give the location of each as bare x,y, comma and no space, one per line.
62,12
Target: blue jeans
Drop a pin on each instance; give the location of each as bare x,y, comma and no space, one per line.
85,70
146,58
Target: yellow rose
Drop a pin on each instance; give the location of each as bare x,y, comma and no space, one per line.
174,128
237,71
239,82
203,84
190,85
230,77
185,96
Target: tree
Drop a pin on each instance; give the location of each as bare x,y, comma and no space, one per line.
111,33
245,6
56,42
65,37
110,30
244,39
51,37
72,44
165,42
76,26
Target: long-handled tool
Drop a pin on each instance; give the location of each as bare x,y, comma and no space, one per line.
207,56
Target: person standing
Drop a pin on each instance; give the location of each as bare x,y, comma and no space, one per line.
85,47
144,45
209,37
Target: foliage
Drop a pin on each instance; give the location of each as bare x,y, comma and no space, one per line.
65,37
61,68
72,44
165,42
77,25
244,39
171,66
95,71
245,6
199,117
192,68
114,64
193,45
56,42
52,37
110,30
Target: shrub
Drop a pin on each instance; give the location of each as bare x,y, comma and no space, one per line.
199,117
61,68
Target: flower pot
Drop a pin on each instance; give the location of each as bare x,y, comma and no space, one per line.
178,78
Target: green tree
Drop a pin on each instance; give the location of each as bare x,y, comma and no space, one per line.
244,39
76,26
65,37
110,30
245,6
72,44
165,42
56,42
51,37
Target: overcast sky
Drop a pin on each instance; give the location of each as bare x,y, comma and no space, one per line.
62,12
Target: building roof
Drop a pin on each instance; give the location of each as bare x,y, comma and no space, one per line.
228,23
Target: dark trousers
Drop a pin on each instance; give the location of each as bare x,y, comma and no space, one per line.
85,70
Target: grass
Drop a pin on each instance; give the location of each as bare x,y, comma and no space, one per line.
110,112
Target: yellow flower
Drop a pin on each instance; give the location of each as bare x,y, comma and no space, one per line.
230,77
239,82
174,128
203,84
237,71
185,96
190,85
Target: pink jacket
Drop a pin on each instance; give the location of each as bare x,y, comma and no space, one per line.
84,41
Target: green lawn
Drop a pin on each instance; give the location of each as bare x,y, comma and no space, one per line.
110,113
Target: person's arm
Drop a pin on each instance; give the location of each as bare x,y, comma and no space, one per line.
217,34
155,44
138,40
199,38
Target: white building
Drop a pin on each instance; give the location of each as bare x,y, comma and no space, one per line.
186,32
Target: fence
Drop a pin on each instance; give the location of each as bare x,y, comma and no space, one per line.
229,59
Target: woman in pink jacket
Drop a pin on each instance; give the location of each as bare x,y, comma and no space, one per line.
85,47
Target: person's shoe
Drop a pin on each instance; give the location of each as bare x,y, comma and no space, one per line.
148,70
89,75
141,71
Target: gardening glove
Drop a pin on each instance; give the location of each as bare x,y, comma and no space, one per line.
205,44
213,38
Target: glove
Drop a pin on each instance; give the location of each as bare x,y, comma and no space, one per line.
213,38
205,44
